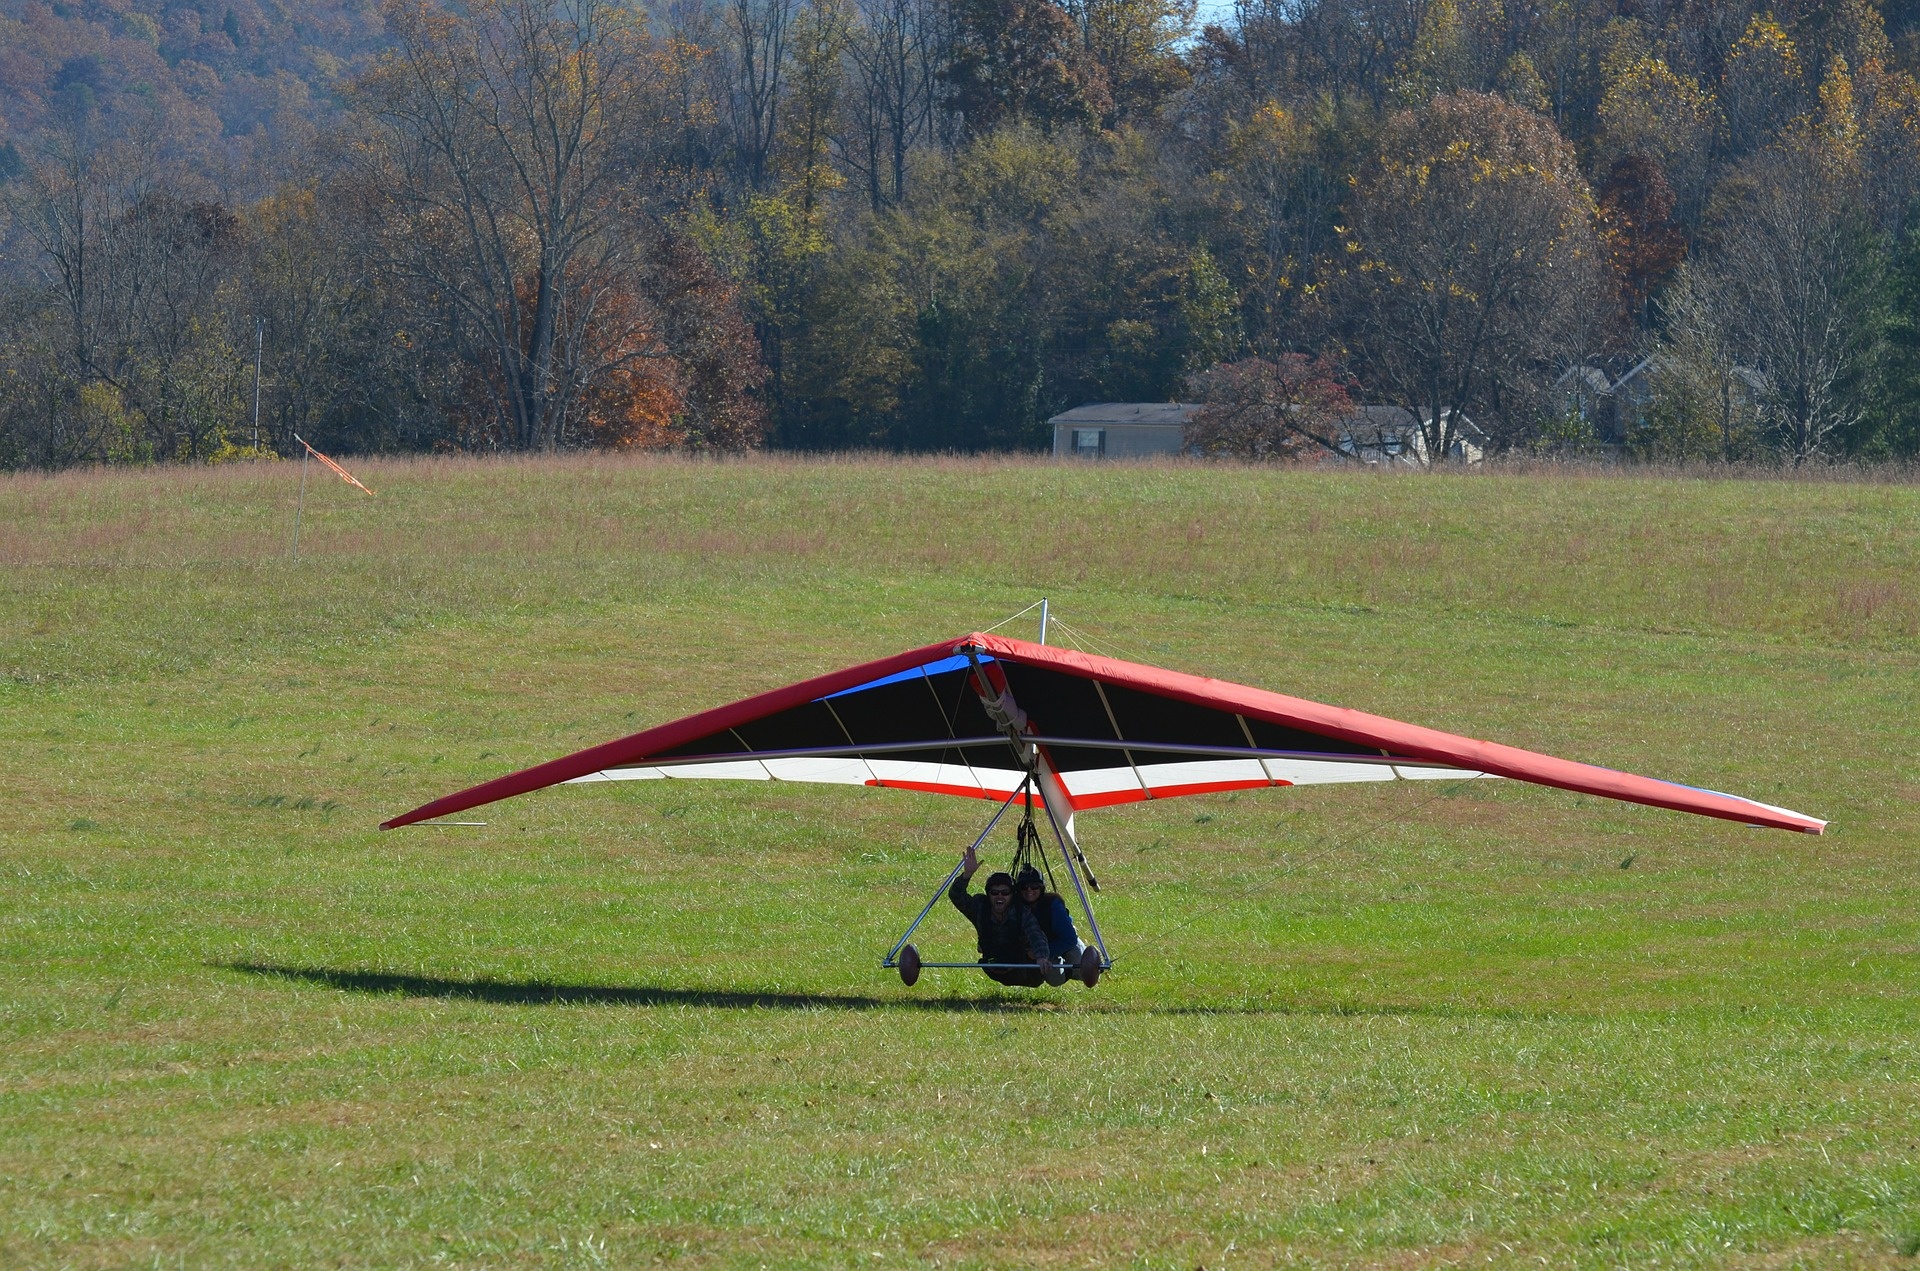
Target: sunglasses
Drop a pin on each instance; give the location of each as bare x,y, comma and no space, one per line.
1001,891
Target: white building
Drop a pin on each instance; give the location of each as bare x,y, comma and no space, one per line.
1393,435
1121,430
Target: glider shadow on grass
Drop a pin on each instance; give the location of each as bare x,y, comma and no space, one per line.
547,993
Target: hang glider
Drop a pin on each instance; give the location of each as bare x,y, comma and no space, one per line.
990,717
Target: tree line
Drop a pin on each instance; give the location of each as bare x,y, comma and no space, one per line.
1671,232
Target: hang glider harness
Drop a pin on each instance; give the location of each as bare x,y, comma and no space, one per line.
988,716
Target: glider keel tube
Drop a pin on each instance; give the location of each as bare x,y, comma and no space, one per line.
1112,732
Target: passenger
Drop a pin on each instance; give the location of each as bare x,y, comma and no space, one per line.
1006,932
1056,923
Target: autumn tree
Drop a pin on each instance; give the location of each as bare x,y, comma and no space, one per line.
1652,111
343,366
1472,270
1272,185
1286,408
1763,84
706,395
501,157
1637,229
1889,140
1021,59
1451,52
1137,46
772,246
822,31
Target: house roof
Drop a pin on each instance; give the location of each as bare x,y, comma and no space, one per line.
1121,413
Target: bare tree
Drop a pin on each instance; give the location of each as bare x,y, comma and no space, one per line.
140,275
171,265
1703,404
895,54
1794,268
757,33
502,163
70,206
1472,270
1342,48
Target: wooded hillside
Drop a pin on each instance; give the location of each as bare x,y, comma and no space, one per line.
1664,231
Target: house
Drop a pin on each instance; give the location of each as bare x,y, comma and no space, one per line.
1617,408
1121,430
1393,435
1612,406
1143,430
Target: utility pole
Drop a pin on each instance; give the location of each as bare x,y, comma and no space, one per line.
259,342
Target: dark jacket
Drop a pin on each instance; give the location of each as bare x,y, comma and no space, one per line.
1057,922
1017,939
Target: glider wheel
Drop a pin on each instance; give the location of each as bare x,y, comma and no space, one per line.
1089,970
909,965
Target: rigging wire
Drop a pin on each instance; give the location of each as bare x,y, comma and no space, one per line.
1077,637
1010,617
1081,638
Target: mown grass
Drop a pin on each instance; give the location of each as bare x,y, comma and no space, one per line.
1419,1025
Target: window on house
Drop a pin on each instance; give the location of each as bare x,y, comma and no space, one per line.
1090,442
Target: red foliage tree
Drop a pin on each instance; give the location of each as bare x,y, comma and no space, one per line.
1637,229
1283,409
686,368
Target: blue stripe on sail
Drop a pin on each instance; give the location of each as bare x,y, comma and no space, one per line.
954,663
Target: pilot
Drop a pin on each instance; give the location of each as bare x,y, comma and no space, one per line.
1067,956
1007,933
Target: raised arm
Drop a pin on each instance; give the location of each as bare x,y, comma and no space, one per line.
957,893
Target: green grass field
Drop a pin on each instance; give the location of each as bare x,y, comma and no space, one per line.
1466,1024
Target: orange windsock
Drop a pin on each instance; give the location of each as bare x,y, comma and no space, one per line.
344,475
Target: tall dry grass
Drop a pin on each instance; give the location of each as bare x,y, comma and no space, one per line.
1792,559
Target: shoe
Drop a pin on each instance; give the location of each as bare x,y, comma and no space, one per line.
909,965
1088,972
1057,972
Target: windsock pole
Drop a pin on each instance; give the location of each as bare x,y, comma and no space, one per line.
299,507
308,452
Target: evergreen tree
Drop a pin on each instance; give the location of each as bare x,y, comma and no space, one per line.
1892,426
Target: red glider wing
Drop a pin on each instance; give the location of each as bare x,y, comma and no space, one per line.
956,717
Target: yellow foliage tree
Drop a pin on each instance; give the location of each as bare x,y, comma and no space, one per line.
1650,109
1889,142
1839,121
1763,86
